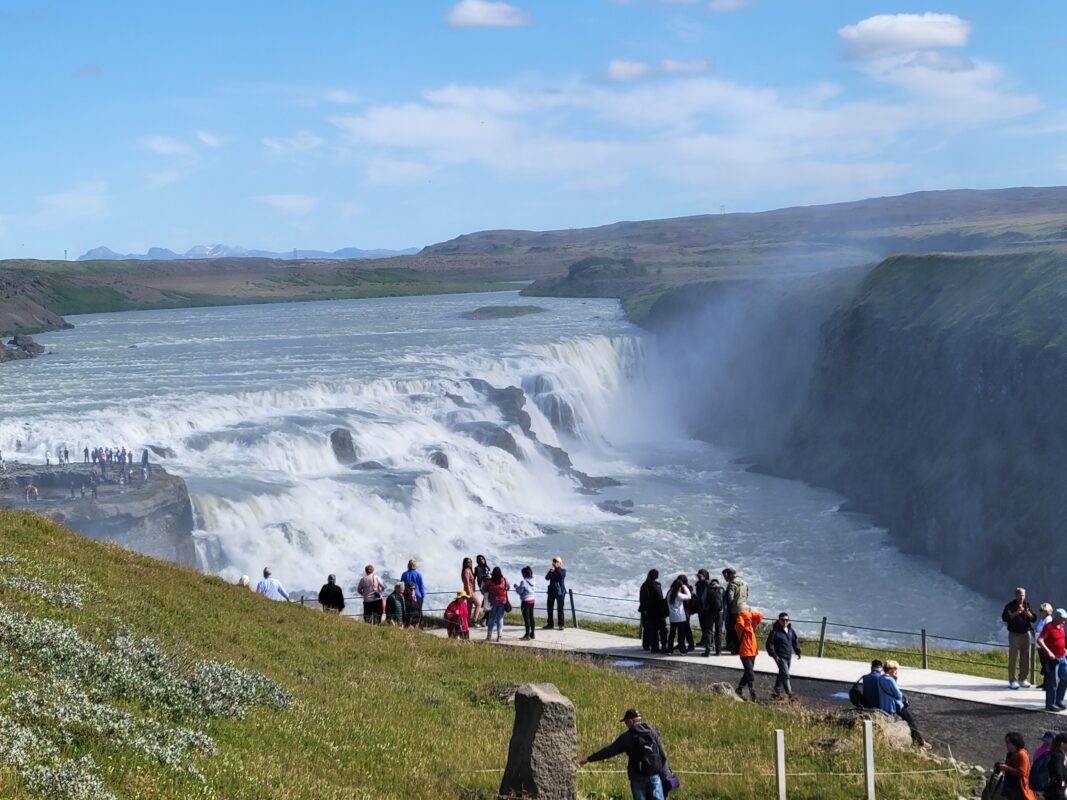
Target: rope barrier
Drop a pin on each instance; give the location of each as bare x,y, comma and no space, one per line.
891,773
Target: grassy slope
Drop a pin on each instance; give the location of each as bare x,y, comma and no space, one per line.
383,713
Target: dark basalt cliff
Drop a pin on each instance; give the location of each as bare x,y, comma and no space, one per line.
153,517
938,404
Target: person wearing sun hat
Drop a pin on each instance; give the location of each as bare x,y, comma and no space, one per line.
457,616
1053,644
1045,746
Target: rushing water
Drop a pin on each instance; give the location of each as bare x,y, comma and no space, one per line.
246,397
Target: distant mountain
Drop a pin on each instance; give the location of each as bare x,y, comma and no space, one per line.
226,251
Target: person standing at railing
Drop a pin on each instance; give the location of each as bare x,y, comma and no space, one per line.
713,607
700,591
653,610
527,598
1019,618
1052,641
331,598
396,612
782,645
745,629
415,590
481,575
678,596
557,590
736,602
496,588
466,578
372,589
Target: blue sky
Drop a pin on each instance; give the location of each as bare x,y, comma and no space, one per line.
393,124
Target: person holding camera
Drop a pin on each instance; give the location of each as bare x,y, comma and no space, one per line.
1019,618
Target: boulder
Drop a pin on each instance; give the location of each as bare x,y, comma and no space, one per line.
511,402
892,730
727,690
620,507
543,754
369,465
162,451
489,434
439,459
343,447
26,344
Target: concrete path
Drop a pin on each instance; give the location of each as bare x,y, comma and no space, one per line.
844,673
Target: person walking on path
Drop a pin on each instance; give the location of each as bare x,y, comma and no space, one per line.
713,607
1019,618
466,577
396,612
1016,769
1054,646
891,701
646,757
416,592
677,597
271,588
557,590
1057,769
782,645
527,599
372,589
1044,615
653,610
745,629
736,602
497,591
331,597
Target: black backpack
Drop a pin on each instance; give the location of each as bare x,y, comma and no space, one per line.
855,694
1040,779
647,752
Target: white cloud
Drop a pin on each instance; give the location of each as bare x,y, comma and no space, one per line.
728,6
166,146
300,142
160,179
622,70
210,139
890,34
340,97
350,210
486,14
391,171
296,204
86,199
696,66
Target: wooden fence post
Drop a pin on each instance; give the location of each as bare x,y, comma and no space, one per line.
779,762
574,615
868,758
925,651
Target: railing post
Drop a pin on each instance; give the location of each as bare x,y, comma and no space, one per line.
779,762
301,599
574,616
926,656
868,758
822,636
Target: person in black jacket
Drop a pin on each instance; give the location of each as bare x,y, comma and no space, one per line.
712,608
331,598
557,590
700,590
653,610
646,758
1019,618
782,644
1057,769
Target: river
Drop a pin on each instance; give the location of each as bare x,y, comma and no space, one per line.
247,396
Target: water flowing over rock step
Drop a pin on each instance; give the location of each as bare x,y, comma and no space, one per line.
837,671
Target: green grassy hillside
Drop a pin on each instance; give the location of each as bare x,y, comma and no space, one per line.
374,712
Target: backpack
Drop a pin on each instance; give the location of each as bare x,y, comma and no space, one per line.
855,694
647,751
994,788
1039,777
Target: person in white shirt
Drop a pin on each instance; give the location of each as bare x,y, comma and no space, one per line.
678,615
271,588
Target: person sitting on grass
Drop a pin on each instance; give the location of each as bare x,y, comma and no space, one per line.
396,607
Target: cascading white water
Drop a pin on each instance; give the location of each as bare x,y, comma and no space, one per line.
246,398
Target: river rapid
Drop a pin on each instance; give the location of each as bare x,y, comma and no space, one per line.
247,396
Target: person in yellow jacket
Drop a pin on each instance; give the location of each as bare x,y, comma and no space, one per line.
745,628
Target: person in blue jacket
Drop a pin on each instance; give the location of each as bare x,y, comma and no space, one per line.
412,580
557,590
891,701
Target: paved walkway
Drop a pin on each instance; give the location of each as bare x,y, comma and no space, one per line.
844,673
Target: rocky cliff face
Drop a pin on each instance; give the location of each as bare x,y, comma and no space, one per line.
937,404
154,518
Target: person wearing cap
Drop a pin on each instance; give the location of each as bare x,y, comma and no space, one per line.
1053,645
1044,614
331,598
456,617
1019,618
527,593
1045,746
644,749
271,588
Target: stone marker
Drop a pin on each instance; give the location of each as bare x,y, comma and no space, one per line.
543,755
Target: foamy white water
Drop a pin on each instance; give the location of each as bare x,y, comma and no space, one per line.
246,398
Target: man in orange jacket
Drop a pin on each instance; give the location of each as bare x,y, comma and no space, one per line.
745,627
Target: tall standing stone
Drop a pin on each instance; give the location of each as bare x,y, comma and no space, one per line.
543,755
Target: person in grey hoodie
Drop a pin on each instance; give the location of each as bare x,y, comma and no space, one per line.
736,602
